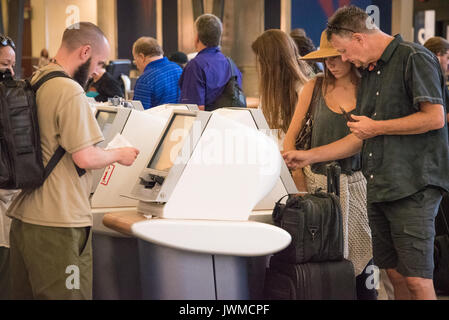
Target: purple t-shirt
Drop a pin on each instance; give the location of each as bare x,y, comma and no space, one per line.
205,77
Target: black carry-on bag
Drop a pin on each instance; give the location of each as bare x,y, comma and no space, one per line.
314,222
312,267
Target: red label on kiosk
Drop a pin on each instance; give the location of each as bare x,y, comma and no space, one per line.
107,175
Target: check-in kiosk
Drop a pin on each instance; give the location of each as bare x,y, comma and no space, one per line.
114,279
202,159
136,105
111,121
142,131
254,118
173,106
206,173
131,104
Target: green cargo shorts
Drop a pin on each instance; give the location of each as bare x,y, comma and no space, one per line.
50,262
403,233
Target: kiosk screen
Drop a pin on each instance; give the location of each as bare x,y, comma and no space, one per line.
105,120
171,142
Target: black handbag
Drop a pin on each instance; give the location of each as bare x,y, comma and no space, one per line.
304,139
314,221
232,95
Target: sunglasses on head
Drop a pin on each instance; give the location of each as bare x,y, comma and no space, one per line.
7,41
333,27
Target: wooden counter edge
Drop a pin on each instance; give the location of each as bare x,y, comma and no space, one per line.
122,221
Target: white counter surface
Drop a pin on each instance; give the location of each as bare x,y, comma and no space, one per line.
236,238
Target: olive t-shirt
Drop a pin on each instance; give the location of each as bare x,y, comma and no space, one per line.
65,119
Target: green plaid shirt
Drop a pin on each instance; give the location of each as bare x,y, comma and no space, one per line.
397,166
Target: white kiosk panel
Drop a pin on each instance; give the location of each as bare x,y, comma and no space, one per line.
254,118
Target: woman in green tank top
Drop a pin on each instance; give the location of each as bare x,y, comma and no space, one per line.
335,90
327,95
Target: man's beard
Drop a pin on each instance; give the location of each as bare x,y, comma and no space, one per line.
82,73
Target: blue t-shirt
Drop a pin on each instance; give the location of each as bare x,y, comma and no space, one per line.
158,84
205,77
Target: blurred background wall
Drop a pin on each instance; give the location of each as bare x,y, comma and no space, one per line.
38,24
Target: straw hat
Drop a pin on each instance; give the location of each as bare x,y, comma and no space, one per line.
326,50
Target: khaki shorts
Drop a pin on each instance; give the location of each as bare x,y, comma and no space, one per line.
403,233
50,262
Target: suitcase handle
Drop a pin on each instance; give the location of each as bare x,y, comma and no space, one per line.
333,172
277,212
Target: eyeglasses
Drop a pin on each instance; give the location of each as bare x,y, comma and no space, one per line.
5,41
333,27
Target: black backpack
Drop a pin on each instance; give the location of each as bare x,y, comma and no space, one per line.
21,165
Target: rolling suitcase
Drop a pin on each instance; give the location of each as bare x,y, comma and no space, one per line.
312,267
333,280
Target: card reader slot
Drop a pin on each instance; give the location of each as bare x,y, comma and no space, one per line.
150,180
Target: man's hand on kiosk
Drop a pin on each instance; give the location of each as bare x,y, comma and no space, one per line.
127,155
296,159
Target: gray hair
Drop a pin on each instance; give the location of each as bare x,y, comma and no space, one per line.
147,46
209,28
348,20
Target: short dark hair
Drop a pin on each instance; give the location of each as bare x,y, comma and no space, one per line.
209,28
148,46
348,20
305,44
438,45
178,57
81,34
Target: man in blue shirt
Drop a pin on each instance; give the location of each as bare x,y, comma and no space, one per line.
205,77
158,83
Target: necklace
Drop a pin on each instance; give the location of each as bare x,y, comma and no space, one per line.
56,62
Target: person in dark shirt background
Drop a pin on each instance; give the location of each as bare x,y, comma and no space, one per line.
178,57
305,46
103,83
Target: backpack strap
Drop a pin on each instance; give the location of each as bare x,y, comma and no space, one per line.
59,153
55,158
48,76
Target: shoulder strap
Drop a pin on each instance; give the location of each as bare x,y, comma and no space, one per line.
55,158
231,63
59,153
316,91
48,76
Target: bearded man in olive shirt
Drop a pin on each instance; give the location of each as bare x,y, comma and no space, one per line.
401,131
50,238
